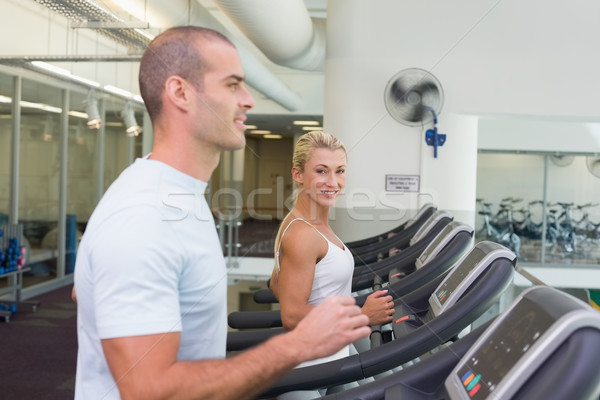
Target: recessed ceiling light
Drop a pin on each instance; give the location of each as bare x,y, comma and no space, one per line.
306,123
312,128
260,131
273,136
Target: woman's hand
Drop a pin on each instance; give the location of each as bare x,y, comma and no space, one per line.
379,308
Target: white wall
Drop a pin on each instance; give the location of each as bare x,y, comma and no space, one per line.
524,57
534,134
510,59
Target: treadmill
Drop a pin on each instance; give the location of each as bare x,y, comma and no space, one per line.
391,246
417,220
546,345
437,258
424,320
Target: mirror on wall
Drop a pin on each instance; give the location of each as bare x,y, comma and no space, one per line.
545,206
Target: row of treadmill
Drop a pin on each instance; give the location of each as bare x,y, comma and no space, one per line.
440,345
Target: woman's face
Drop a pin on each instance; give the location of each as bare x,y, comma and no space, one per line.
324,176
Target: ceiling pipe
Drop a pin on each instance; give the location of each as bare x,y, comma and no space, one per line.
282,30
163,15
20,60
258,76
81,14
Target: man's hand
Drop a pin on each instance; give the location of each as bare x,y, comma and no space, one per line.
379,308
335,323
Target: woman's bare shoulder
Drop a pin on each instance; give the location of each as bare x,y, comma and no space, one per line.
301,238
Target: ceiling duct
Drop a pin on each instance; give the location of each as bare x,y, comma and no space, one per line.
257,74
282,30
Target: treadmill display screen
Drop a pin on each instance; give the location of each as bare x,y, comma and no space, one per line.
434,244
511,339
458,275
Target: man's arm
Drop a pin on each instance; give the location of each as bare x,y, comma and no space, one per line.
147,366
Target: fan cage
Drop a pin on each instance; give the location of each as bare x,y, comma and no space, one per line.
411,94
593,165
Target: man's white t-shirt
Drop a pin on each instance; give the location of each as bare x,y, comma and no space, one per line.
149,262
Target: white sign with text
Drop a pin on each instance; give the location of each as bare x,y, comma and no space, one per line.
402,183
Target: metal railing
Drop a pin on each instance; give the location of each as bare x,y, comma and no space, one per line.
228,225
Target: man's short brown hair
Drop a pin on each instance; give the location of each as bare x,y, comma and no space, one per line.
173,52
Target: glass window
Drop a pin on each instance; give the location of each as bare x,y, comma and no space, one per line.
91,157
82,168
39,171
6,93
120,149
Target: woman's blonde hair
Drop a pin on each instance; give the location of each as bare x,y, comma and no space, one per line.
314,140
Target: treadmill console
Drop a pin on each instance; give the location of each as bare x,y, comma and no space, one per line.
511,349
440,241
429,224
426,207
465,272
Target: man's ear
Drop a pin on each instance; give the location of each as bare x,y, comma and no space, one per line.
177,91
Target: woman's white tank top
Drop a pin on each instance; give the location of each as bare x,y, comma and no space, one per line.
333,277
333,273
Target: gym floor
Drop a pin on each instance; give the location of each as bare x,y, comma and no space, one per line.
39,349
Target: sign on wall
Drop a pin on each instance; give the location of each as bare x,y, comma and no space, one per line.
402,183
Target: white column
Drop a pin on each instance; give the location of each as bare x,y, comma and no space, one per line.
450,179
362,56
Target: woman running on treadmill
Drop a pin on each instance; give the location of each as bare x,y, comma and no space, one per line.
311,262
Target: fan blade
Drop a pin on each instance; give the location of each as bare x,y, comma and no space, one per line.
427,88
397,92
397,100
418,95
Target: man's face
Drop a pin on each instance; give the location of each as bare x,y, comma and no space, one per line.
224,100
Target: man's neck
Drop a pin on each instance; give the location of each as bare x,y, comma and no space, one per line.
192,159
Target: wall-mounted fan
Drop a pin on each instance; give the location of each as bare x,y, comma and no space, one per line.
562,160
414,97
593,165
411,95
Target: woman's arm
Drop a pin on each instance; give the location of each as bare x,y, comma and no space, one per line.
301,248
